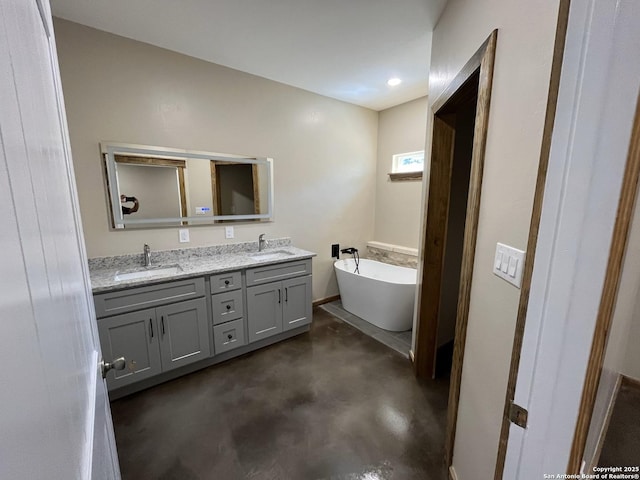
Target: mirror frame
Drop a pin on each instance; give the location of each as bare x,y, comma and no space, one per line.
109,151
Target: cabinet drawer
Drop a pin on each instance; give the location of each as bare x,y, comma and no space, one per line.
226,282
228,336
280,271
132,299
227,306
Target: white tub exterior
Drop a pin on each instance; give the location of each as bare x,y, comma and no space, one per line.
381,294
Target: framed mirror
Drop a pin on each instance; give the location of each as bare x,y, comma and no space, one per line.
157,186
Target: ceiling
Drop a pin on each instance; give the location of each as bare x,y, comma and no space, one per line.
345,49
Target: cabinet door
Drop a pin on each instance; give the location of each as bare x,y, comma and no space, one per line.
184,333
264,310
135,337
296,308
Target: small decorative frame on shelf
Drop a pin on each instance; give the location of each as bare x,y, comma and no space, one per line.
407,166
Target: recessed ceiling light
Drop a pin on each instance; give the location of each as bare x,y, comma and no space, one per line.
392,82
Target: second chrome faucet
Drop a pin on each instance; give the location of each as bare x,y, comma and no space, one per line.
147,255
262,243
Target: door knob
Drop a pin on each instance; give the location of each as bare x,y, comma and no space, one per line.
117,364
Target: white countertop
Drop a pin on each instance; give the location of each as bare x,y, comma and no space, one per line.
192,262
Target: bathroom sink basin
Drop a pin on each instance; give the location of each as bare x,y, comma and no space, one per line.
147,272
270,255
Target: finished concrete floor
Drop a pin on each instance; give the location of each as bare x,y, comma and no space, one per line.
330,404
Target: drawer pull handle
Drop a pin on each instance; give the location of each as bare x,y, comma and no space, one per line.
226,282
151,326
228,307
162,322
229,336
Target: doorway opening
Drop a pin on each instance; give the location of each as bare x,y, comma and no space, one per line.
445,270
458,115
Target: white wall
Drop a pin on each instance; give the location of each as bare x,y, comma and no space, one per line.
401,129
324,150
523,63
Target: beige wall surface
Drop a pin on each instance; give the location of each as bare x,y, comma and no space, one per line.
526,33
401,129
324,150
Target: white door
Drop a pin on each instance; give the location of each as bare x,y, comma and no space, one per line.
596,105
54,411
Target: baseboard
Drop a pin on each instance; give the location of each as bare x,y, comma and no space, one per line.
630,381
605,426
452,473
322,301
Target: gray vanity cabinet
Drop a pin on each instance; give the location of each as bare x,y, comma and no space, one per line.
277,306
135,337
166,335
155,340
264,310
227,304
194,322
184,333
296,308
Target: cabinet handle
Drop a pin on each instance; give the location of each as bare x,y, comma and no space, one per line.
162,322
229,336
151,326
228,307
286,294
226,282
279,296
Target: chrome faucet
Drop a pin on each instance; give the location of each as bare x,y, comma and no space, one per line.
262,243
147,255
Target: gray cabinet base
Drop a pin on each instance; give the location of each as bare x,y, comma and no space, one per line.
178,372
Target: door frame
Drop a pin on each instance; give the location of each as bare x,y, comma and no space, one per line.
434,225
619,241
594,119
534,227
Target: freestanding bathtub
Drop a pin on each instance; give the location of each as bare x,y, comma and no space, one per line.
381,294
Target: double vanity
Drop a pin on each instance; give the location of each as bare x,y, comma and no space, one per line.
193,308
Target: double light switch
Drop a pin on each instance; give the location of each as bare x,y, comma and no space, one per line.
508,264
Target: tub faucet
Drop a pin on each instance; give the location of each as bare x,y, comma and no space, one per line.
147,255
262,243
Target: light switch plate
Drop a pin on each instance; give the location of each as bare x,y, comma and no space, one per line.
228,232
508,264
184,235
